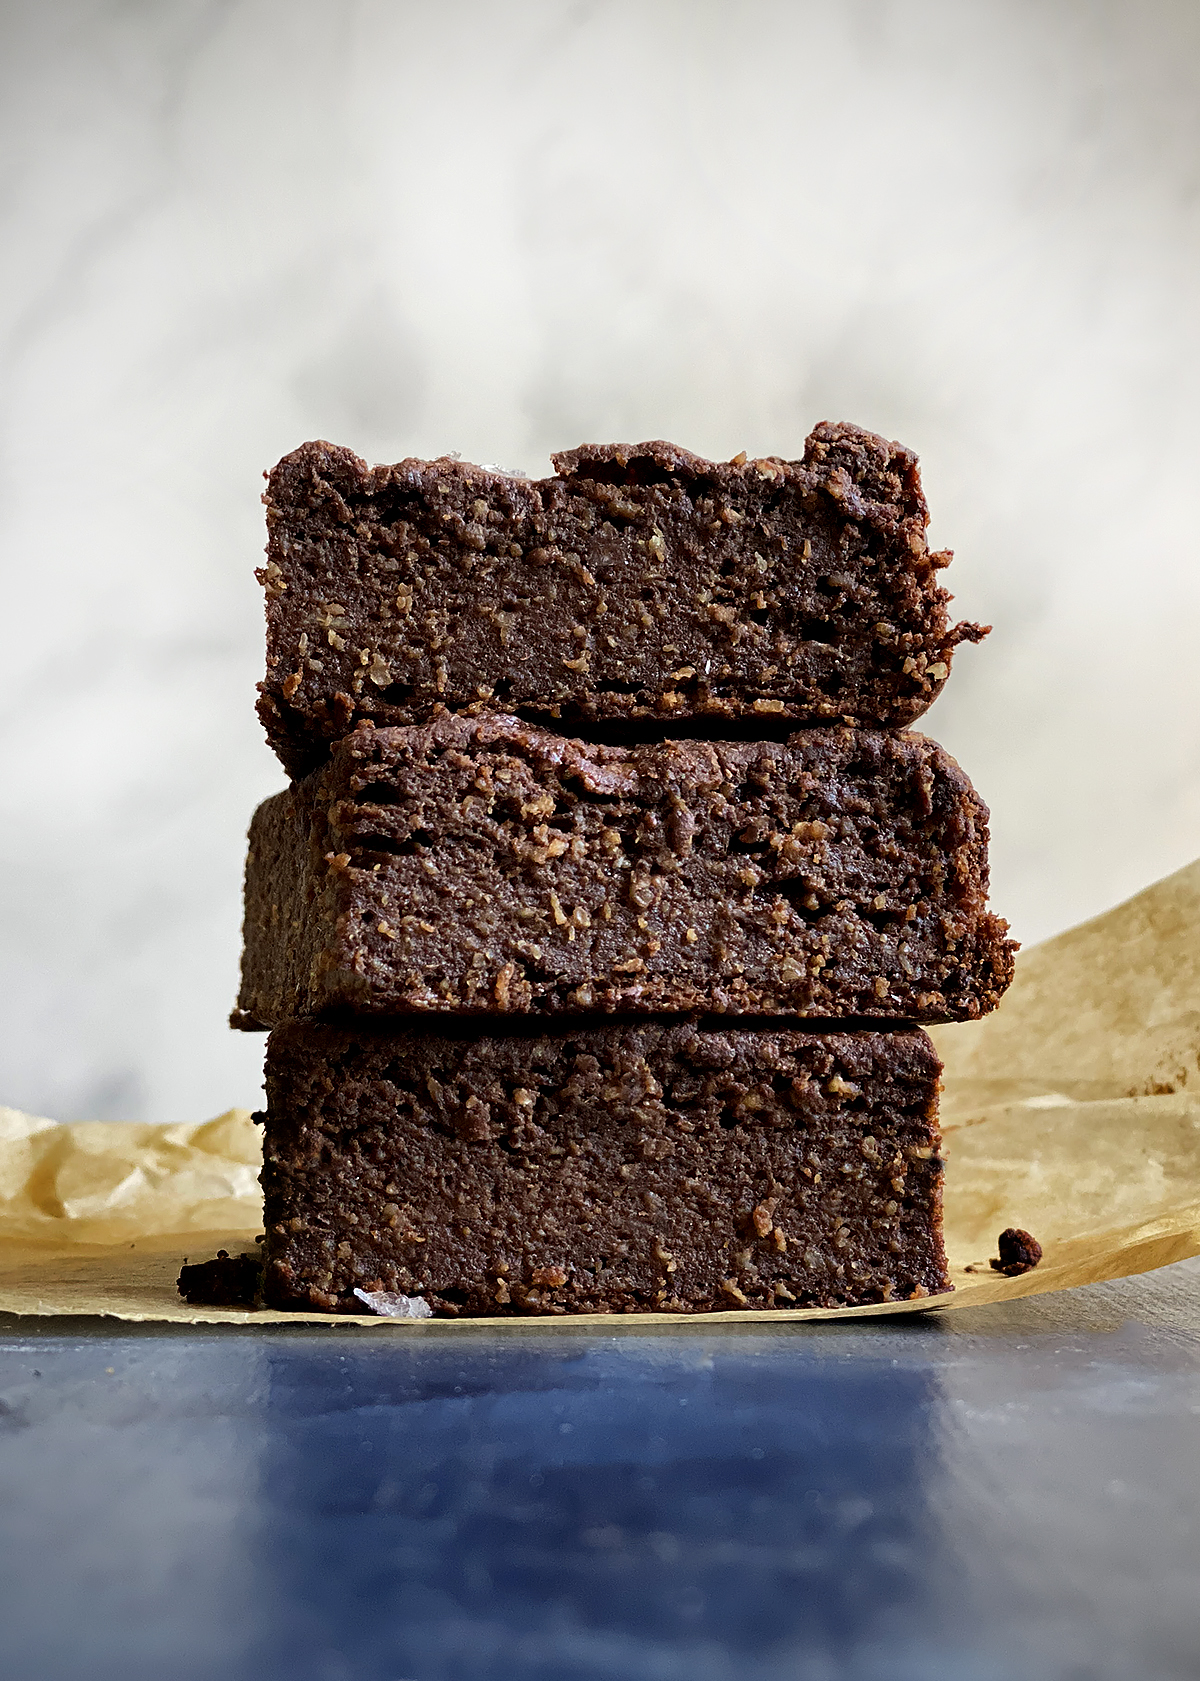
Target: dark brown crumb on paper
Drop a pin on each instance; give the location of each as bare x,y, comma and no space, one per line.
227,1281
1018,1252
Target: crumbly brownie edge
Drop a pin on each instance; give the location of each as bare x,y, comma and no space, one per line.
633,1169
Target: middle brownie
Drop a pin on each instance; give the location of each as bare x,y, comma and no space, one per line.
484,865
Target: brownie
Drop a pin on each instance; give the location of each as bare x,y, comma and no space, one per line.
612,1169
640,582
483,866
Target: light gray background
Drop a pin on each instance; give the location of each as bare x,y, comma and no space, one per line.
502,229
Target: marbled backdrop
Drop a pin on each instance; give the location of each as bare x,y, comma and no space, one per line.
230,225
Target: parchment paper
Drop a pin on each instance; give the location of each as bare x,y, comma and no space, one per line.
1072,1112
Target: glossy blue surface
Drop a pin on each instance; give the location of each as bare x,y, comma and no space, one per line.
1001,1492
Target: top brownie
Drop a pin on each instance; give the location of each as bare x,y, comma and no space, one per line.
641,582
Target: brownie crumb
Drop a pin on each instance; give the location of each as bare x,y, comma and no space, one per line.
227,1281
1018,1252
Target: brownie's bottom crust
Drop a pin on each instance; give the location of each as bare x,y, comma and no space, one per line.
616,1170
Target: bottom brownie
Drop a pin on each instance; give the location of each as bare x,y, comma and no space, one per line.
613,1169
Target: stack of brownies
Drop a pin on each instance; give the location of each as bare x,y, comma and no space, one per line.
595,928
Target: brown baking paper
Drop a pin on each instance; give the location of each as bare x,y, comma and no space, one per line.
1073,1112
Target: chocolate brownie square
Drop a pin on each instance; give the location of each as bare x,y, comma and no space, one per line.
484,866
609,1169
640,585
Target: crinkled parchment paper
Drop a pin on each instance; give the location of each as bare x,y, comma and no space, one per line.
1072,1112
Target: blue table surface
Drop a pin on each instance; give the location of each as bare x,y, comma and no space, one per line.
1000,1492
